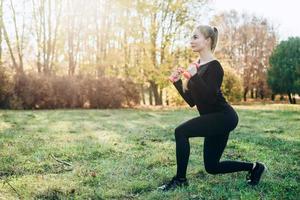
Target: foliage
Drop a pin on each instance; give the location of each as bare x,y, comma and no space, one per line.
36,91
232,86
4,88
284,73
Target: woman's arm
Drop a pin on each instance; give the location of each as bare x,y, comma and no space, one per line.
207,91
185,95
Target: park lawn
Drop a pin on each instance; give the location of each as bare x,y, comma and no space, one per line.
128,153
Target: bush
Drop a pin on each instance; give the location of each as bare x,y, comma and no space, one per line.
31,91
131,92
105,93
66,92
5,89
174,97
232,86
36,91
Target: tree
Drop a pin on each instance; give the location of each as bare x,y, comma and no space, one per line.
167,20
18,65
284,74
246,42
46,18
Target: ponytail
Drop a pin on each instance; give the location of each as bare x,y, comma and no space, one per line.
214,39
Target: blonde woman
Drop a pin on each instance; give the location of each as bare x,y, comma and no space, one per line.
217,119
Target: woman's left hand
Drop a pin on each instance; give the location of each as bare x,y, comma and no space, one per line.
192,69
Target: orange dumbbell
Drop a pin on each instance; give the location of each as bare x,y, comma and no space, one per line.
187,74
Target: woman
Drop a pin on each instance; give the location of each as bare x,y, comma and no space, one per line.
217,117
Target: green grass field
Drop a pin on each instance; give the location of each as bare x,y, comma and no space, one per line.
127,154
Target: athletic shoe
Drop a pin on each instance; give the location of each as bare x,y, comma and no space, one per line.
173,184
255,174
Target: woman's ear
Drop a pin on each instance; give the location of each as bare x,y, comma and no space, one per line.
208,41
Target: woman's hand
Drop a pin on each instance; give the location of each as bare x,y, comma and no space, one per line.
176,74
191,70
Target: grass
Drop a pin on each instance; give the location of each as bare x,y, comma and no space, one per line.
127,154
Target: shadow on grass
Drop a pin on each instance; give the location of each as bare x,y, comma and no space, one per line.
55,194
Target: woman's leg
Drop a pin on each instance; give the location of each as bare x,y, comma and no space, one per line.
212,152
212,125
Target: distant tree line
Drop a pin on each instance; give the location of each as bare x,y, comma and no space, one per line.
129,45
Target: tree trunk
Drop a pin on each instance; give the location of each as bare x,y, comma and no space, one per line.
154,88
273,97
167,98
53,48
160,96
290,98
256,94
38,29
19,39
245,93
261,93
6,37
293,99
150,96
143,94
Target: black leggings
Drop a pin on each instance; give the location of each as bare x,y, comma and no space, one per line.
215,127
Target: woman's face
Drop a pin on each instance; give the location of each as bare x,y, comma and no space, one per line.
198,41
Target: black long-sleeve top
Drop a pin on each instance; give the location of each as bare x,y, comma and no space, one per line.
204,89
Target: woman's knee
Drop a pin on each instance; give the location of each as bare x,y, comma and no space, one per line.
211,168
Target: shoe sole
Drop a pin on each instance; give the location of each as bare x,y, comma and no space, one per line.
163,188
266,170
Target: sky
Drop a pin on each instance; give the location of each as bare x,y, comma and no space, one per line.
284,14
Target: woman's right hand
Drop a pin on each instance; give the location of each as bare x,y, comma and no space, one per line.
176,74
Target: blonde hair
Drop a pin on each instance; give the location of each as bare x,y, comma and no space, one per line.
207,32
